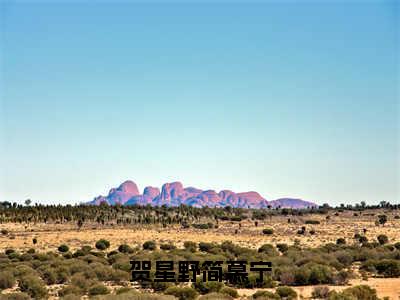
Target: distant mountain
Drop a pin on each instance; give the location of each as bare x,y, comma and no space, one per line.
174,194
291,203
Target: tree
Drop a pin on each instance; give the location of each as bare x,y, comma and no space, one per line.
382,219
80,224
28,202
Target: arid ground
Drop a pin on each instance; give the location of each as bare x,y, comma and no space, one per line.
245,233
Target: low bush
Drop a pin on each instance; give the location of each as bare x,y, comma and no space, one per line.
282,247
123,290
208,286
312,222
182,293
340,241
102,244
382,239
206,247
361,292
229,291
265,295
268,231
286,292
81,281
15,296
149,245
388,267
124,248
70,290
98,289
33,286
167,247
63,248
192,246
268,249
7,280
320,292
215,296
203,226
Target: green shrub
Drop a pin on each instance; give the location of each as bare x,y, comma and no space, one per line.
15,296
388,267
167,247
98,289
268,231
320,274
286,292
265,295
63,248
102,244
118,276
361,292
320,292
48,275
160,286
312,222
397,245
382,219
229,291
7,280
9,251
62,274
268,249
344,257
382,239
103,273
81,281
206,247
342,277
208,286
192,246
182,293
282,247
302,275
86,248
340,241
25,257
149,245
215,296
70,290
33,286
123,290
203,226
124,248
78,253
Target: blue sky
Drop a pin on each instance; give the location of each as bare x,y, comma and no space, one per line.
298,100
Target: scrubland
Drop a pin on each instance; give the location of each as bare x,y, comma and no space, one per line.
57,253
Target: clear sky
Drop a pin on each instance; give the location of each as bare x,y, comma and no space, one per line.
284,99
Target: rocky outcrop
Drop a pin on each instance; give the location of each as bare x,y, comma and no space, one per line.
174,194
291,203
